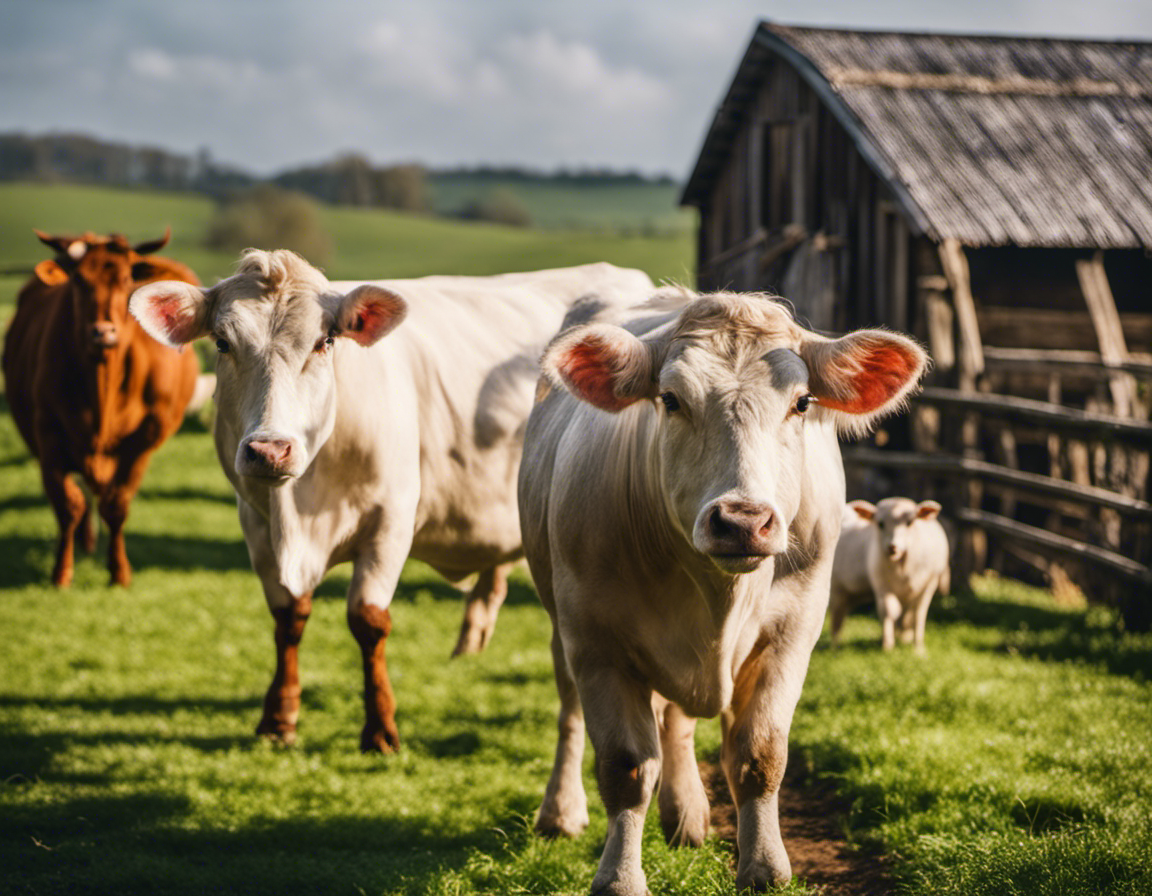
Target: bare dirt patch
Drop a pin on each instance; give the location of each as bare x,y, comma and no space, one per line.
819,854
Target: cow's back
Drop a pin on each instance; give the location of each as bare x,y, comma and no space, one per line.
471,347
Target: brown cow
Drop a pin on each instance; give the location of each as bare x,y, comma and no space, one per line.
90,391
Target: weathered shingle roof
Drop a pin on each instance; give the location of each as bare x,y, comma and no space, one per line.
991,140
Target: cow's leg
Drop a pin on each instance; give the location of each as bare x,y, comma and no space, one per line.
754,754
564,811
290,614
114,511
116,497
86,532
623,732
282,700
69,504
375,575
908,624
683,802
888,610
480,609
921,620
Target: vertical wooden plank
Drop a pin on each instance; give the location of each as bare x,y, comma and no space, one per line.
1109,331
970,356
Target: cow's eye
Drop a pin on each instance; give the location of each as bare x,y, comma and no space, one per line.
803,403
222,346
671,402
324,344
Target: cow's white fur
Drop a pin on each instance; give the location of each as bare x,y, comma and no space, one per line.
410,446
895,552
611,505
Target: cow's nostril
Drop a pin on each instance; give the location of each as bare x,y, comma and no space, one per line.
766,528
251,453
720,526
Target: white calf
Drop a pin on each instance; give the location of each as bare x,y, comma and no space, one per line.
896,552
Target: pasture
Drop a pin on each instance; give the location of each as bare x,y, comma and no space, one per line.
1014,759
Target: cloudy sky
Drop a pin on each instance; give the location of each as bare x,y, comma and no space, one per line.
266,84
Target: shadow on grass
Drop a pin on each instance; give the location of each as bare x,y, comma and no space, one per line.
184,493
1053,635
28,561
144,844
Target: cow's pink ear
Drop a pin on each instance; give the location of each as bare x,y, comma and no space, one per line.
50,273
863,509
601,364
864,375
369,313
171,312
927,510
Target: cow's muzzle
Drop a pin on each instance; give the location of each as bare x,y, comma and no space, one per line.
266,457
739,535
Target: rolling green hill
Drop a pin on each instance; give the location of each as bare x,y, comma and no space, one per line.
642,208
368,243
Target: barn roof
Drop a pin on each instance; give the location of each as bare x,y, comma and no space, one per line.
990,140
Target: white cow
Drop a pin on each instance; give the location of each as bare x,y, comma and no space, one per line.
344,448
897,553
680,499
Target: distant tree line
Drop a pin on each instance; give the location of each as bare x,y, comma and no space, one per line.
75,158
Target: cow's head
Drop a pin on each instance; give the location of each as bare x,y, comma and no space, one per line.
102,272
733,381
275,324
891,522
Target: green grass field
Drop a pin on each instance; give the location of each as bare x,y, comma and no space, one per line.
1014,759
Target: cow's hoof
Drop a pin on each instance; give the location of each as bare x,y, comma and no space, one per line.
554,828
688,829
274,733
473,639
377,740
762,880
616,886
123,578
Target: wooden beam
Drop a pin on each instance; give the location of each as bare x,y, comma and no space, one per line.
1030,482
1040,413
1060,544
1109,330
1054,360
955,264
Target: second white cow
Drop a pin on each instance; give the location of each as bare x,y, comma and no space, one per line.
345,446
680,497
897,553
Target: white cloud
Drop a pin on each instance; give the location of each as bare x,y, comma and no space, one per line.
571,71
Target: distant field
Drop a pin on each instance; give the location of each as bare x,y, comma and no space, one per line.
640,208
368,243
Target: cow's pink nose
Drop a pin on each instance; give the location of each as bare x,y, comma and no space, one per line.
272,453
740,527
893,550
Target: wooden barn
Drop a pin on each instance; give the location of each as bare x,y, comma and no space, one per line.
993,196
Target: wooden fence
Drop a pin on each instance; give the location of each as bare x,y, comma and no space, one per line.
1097,533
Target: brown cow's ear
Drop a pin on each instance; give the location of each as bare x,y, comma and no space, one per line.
171,311
50,273
863,509
863,376
369,313
154,245
55,243
601,364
